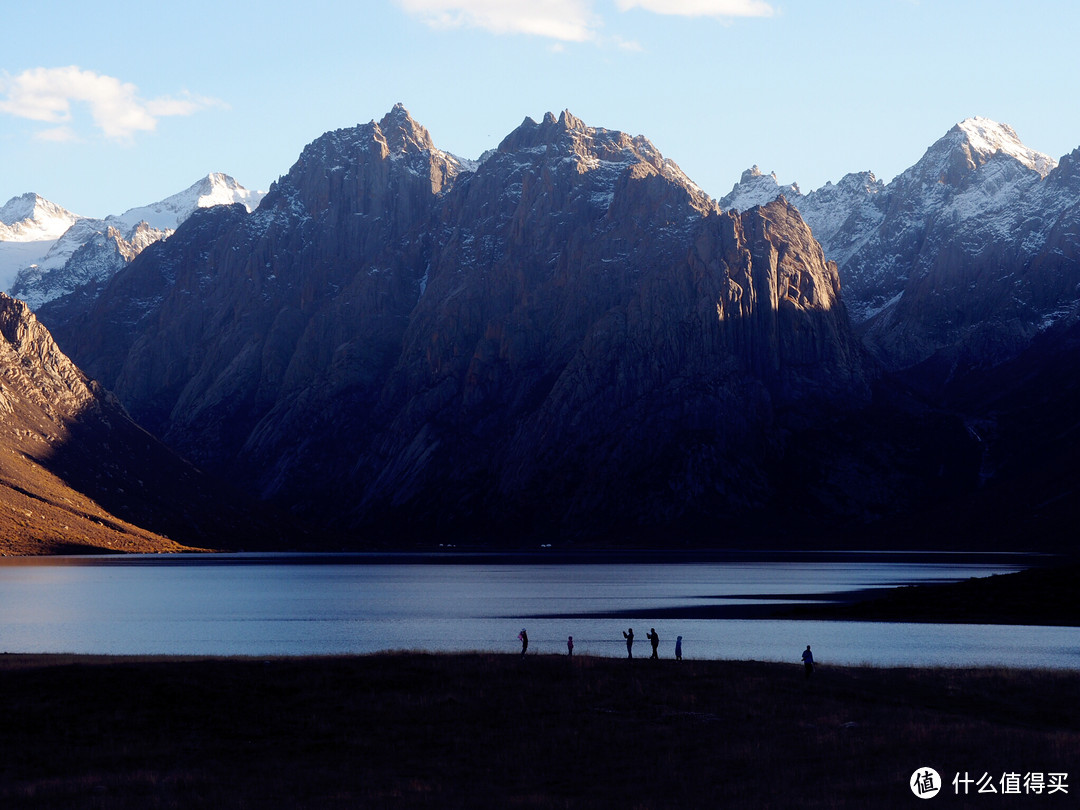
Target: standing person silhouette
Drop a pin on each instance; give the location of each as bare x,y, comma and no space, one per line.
808,662
629,636
654,639
678,649
524,641
570,645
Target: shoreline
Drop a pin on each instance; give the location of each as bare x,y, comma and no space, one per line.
471,555
19,661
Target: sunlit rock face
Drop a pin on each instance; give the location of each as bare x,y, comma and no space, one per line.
77,475
566,336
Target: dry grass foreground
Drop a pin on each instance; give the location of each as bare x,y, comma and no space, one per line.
495,731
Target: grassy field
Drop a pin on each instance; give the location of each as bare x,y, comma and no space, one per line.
446,731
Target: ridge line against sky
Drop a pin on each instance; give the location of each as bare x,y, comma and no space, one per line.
102,110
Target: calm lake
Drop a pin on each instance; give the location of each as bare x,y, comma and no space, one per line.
282,604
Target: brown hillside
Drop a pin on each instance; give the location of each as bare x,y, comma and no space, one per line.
77,475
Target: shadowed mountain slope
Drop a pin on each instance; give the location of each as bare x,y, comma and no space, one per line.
76,474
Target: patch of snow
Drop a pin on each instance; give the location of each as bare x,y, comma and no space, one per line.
168,214
29,229
41,274
990,138
16,256
30,218
755,188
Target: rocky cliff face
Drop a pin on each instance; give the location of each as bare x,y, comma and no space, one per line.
236,314
37,374
568,336
614,337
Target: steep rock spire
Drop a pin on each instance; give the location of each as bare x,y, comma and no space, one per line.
402,134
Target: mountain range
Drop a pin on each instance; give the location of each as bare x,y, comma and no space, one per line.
47,252
569,339
961,260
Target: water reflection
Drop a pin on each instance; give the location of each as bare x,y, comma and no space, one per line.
318,604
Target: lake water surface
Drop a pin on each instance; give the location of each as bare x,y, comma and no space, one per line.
331,604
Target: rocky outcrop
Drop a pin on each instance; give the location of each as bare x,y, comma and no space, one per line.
37,378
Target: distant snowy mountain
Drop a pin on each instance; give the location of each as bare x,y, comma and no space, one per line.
71,251
840,215
31,218
971,144
942,258
29,227
214,189
975,254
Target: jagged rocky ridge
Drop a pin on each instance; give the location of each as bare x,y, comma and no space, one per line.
568,336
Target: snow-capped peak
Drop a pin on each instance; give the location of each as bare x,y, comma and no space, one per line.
756,188
967,147
79,249
31,218
990,138
166,215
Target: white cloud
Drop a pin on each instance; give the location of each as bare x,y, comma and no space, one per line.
563,20
701,8
48,95
58,135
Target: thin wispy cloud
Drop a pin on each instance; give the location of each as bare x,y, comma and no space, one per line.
56,95
563,20
566,20
627,44
701,8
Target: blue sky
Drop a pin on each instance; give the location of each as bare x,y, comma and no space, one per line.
109,105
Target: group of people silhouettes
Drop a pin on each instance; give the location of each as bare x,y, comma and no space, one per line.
654,640
652,636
